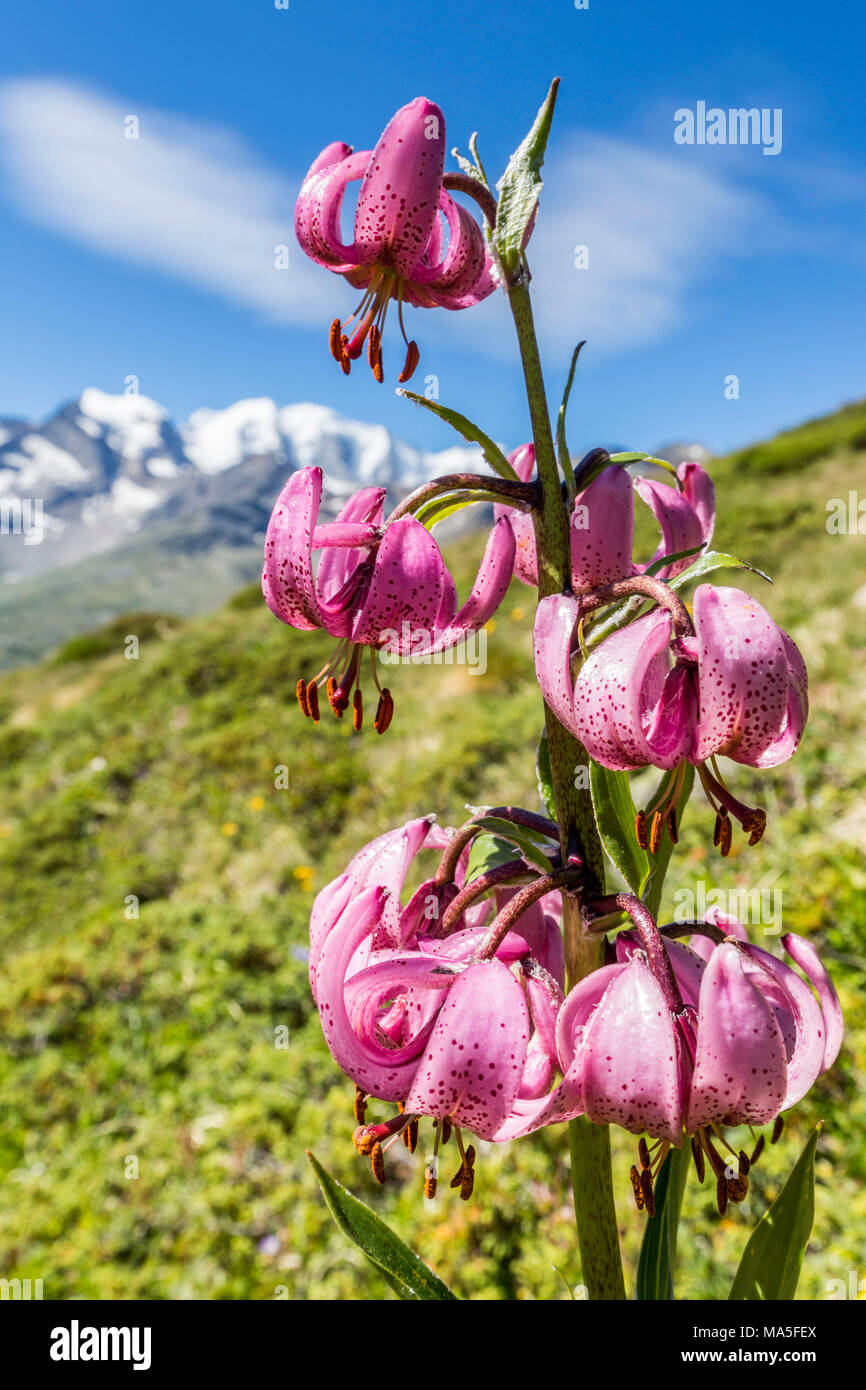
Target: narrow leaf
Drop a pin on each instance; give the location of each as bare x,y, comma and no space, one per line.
520,186
770,1267
545,776
658,1252
615,817
488,852
470,432
714,560
655,565
409,1276
635,456
520,836
561,442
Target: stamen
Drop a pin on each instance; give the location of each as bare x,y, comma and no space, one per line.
646,1187
331,688
673,830
636,1187
384,712
360,1106
755,824
655,834
778,1127
717,829
335,340
357,710
745,1164
301,692
413,356
758,1149
445,1131
698,1156
431,1176
377,1163
643,1151
640,830
726,835
722,1194
312,694
410,1136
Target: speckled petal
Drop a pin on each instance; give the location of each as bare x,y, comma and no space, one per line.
631,1058
742,676
287,578
522,461
406,586
798,709
740,1071
804,954
553,635
630,708
337,564
700,491
384,862
488,591
399,196
678,521
474,1061
317,211
602,530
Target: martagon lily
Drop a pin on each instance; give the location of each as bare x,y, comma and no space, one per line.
734,684
601,525
398,250
377,586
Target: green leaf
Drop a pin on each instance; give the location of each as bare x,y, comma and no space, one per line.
652,889
545,776
561,443
615,817
488,852
658,1252
714,560
635,456
438,508
770,1267
520,186
471,433
409,1277
659,564
520,836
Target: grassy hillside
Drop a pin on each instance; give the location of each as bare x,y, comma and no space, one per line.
156,887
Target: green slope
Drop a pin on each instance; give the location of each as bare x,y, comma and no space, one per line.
146,1043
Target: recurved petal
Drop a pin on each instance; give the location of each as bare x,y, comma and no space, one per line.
699,490
630,708
678,521
473,1064
399,196
407,583
804,954
522,461
798,709
740,1071
553,634
602,530
631,1058
327,907
742,676
317,211
488,591
287,578
384,862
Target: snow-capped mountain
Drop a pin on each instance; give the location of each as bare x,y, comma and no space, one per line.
106,468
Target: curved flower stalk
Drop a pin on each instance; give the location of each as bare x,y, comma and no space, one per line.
455,1027
649,695
377,586
601,526
399,249
676,1043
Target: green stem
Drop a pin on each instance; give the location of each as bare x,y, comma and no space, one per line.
592,1177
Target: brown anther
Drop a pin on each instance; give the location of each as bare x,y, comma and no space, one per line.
331,688
345,363
458,1176
410,1136
335,340
384,712
412,358
726,835
737,1189
722,1194
640,830
378,369
467,1184
778,1127
401,1107
636,1187
301,692
364,1140
657,825
313,701
430,1181
374,342
446,1130
360,1106
673,828
644,1153
698,1156
357,710
646,1187
758,1149
754,824
717,828
470,1155
377,1163
745,1164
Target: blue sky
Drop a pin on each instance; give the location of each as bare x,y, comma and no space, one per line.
154,257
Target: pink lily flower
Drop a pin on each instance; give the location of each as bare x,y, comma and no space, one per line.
398,250
382,587
602,523
644,697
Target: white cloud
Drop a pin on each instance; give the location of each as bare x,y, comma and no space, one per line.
184,197
194,201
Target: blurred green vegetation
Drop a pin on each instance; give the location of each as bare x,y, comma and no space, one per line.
156,885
